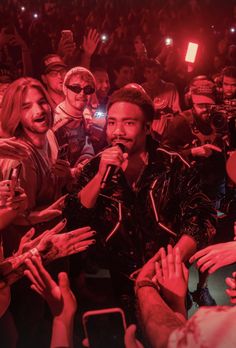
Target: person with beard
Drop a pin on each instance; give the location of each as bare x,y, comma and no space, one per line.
27,115
150,196
69,122
193,135
229,83
97,121
53,71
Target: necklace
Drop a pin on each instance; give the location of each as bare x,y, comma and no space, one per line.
67,113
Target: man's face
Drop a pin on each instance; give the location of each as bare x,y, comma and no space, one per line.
77,101
201,110
36,115
126,124
54,80
102,83
151,75
125,75
229,87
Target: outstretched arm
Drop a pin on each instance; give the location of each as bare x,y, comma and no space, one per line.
215,256
50,246
59,297
157,318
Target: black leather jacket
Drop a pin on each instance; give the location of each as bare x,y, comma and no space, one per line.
133,225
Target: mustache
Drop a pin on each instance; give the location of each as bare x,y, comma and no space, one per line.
119,139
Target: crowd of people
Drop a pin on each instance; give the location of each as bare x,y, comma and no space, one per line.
114,153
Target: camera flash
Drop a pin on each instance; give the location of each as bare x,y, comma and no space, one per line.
103,37
232,30
168,41
35,15
22,8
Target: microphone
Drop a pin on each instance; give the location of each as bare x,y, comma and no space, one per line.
111,168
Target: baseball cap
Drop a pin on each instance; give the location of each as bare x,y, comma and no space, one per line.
52,62
203,90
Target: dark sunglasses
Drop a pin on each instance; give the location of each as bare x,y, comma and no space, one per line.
77,89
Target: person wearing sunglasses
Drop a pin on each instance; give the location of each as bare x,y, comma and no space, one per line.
69,123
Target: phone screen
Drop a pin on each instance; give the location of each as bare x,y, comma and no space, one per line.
14,177
68,35
105,330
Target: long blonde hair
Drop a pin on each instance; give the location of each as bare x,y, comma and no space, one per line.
10,116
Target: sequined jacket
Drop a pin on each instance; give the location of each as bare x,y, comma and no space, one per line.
132,224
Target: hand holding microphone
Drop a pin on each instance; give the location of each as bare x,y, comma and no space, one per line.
111,160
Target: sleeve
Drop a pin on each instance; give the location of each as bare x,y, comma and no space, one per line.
178,136
76,214
197,216
175,101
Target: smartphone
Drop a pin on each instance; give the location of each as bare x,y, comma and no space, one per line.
191,52
105,328
67,35
14,177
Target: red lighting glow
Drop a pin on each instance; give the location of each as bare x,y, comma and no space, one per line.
191,52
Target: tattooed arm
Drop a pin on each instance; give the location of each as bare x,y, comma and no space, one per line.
50,246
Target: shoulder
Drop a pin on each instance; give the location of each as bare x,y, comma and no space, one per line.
172,158
168,86
60,117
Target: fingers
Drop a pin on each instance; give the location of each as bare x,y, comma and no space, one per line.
59,203
33,275
93,35
27,236
230,282
212,147
170,260
159,275
231,292
164,264
79,247
10,148
199,254
178,262
80,231
38,274
56,229
63,280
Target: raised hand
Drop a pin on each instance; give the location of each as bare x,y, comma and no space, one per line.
49,213
11,148
231,291
215,256
204,150
91,41
62,169
55,246
58,296
111,156
130,339
172,277
49,245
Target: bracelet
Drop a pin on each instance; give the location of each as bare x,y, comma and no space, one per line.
144,283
